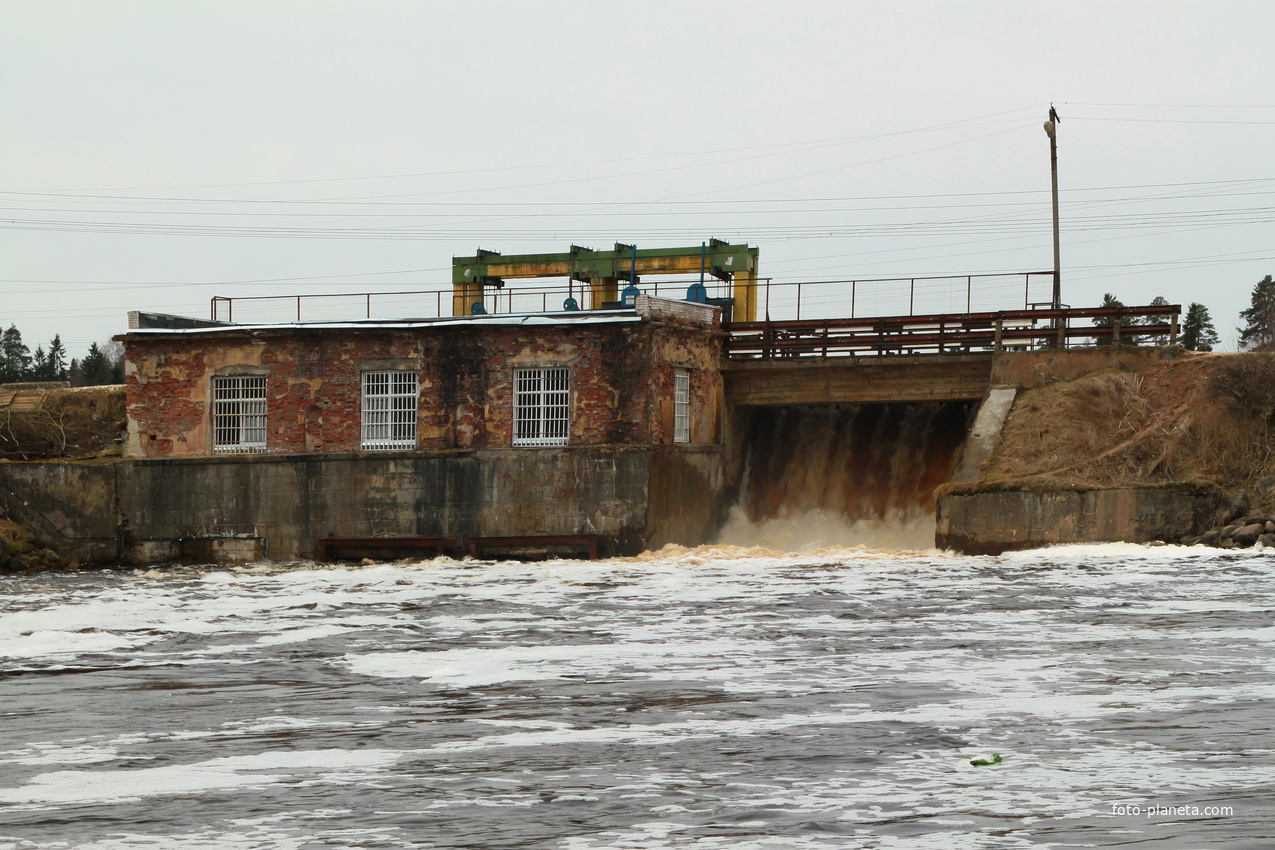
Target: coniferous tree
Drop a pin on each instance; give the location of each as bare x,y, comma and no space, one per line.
15,357
94,369
1108,300
57,359
1198,333
39,365
1258,334
1158,301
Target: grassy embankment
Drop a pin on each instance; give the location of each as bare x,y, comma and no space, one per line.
1200,420
82,424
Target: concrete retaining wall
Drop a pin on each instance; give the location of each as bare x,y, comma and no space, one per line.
291,502
248,507
72,508
991,523
686,497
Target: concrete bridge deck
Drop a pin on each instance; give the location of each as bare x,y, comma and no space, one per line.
919,378
857,380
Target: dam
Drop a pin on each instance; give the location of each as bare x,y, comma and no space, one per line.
633,421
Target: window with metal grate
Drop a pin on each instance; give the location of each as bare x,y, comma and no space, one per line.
681,406
542,407
390,402
239,413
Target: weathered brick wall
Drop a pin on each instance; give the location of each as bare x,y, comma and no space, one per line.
678,347
621,382
669,308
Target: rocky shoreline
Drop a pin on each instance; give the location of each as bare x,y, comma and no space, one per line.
1239,526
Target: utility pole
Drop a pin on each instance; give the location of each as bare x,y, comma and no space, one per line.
1051,127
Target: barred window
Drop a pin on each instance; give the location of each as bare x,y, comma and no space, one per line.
542,407
389,410
239,413
681,406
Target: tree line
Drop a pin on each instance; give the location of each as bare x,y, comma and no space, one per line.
104,364
1198,332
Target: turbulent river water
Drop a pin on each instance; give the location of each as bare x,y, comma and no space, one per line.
709,698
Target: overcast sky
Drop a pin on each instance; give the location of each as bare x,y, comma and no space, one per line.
156,154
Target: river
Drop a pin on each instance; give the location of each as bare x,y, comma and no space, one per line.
710,698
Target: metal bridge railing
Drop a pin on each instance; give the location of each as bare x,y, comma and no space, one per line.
954,333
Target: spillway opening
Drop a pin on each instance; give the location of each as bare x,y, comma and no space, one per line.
846,474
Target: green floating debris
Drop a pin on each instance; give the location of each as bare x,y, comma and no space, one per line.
995,759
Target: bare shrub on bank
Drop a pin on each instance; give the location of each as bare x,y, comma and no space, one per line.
74,423
1247,385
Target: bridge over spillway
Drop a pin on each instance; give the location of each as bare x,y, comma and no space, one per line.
943,357
864,418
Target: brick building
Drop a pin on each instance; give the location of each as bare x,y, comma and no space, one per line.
644,377
600,422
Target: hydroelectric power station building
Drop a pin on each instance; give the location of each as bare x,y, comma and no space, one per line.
599,428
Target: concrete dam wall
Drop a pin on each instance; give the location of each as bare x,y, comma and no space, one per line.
248,507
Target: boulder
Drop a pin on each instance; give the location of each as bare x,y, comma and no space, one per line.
48,556
1267,540
1248,535
1266,486
1239,505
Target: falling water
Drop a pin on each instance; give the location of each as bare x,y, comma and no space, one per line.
846,474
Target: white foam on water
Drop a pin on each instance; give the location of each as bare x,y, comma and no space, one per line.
304,633
1124,552
82,787
45,643
476,667
50,753
818,529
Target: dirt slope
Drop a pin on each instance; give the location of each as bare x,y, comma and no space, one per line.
1201,419
63,423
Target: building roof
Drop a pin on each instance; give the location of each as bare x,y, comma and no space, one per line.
147,324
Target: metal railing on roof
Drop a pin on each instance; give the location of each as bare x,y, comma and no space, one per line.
415,303
779,300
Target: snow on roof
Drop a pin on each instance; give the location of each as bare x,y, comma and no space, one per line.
598,317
